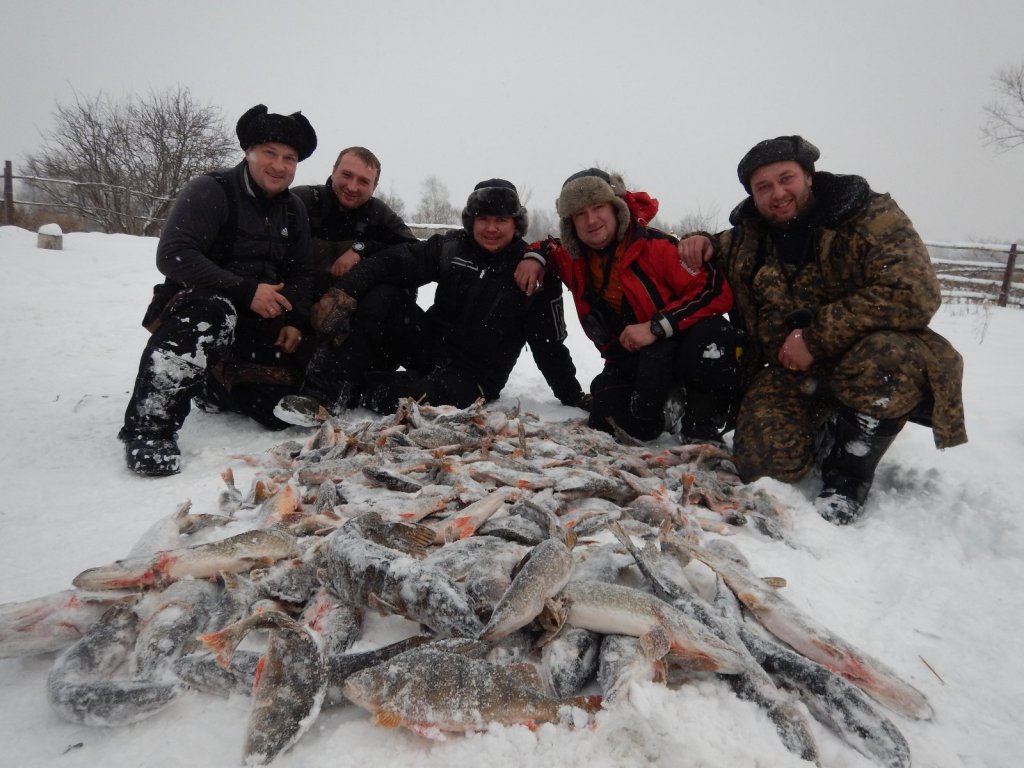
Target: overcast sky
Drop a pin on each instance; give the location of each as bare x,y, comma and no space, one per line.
671,94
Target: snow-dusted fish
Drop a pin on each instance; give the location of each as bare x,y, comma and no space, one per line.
235,554
811,638
290,685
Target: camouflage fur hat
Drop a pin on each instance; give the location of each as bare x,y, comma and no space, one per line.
587,188
258,126
777,150
495,197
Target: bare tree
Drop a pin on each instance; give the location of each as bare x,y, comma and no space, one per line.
542,222
698,221
434,206
392,200
129,158
1004,123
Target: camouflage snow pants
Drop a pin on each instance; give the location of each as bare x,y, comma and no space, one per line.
783,412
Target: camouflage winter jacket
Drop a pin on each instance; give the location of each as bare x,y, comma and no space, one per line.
867,271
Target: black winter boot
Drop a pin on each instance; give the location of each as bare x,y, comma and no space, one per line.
848,470
152,456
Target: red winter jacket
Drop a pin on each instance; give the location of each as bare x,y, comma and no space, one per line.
654,285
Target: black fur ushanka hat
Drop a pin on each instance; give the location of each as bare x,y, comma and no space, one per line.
495,197
258,126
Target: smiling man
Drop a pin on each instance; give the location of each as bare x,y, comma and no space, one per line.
227,321
346,222
658,326
463,347
836,287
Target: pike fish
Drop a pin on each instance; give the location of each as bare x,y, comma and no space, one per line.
81,688
235,554
52,622
612,609
812,639
544,572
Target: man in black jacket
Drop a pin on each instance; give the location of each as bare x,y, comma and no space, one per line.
465,346
228,320
346,222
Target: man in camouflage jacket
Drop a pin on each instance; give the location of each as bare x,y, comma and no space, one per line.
835,285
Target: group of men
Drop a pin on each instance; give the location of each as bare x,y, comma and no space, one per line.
803,327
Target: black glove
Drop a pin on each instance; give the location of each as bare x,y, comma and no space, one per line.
584,403
330,315
799,319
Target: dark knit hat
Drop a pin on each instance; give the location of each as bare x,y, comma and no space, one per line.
777,150
494,197
258,126
587,188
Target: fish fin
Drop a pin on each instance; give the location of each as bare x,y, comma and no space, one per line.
259,671
656,643
388,719
382,606
589,704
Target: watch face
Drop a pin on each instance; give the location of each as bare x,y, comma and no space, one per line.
358,247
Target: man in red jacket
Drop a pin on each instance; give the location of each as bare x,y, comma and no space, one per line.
659,328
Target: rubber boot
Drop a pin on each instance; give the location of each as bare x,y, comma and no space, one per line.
848,470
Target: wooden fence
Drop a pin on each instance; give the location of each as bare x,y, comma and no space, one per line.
978,279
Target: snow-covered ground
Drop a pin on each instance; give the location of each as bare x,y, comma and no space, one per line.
929,582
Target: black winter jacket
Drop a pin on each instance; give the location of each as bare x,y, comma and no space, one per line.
333,228
480,317
261,251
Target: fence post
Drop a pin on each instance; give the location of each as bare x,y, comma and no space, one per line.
8,193
1011,262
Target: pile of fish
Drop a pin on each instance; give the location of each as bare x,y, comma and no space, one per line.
549,567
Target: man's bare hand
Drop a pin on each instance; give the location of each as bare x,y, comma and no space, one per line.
529,276
636,336
269,302
345,262
288,339
794,354
693,252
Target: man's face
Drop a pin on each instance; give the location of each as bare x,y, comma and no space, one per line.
353,181
272,166
781,191
494,233
596,225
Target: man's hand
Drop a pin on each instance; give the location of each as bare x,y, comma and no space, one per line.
288,339
529,276
330,314
637,336
693,252
345,262
794,354
269,302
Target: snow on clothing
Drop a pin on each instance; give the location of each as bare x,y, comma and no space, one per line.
209,320
334,228
633,387
476,327
869,290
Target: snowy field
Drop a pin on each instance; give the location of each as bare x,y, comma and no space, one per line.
929,581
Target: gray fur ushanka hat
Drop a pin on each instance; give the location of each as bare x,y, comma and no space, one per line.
587,188
258,126
777,150
495,197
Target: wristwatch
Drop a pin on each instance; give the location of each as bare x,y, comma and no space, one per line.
358,246
657,328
